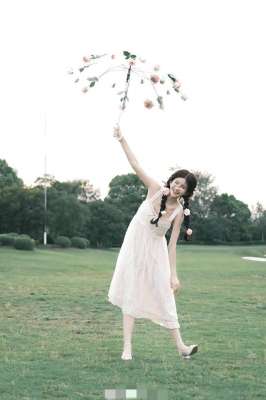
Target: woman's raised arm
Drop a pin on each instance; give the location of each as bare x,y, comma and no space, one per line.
148,181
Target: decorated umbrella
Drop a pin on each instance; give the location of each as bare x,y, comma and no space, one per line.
131,69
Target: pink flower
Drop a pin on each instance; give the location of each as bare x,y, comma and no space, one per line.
166,191
189,232
113,56
148,103
132,62
176,85
187,211
86,59
155,78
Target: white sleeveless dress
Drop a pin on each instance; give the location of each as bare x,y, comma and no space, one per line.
140,285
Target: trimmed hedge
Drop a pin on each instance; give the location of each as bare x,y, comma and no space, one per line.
63,241
79,242
24,243
7,240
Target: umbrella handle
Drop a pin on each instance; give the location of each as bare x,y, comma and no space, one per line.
119,117
125,96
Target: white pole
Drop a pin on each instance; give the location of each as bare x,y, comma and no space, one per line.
45,187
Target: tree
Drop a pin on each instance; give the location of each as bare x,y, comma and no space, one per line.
232,216
31,217
105,227
45,180
204,194
67,216
126,194
82,189
8,176
259,222
200,204
10,208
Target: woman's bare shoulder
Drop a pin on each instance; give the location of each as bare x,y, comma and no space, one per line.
153,188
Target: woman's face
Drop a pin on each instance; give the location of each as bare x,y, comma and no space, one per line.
178,187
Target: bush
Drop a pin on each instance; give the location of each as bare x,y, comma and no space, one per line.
87,242
7,239
79,242
24,243
62,241
23,235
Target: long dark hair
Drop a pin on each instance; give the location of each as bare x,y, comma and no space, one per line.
191,185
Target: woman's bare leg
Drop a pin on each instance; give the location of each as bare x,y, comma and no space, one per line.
181,347
128,326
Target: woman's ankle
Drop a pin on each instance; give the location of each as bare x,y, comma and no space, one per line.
183,348
127,348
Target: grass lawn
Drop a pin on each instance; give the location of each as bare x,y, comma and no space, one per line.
60,338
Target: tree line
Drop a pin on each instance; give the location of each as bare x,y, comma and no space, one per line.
74,208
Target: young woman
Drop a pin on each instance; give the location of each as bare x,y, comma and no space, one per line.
145,277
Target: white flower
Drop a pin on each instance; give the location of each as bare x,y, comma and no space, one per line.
163,212
187,211
189,232
183,97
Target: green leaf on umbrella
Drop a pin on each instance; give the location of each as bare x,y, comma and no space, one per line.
160,102
126,53
133,56
81,69
113,85
92,84
172,77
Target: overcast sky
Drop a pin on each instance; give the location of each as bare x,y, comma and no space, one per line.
216,48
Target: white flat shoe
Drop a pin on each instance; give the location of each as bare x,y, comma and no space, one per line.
126,356
193,348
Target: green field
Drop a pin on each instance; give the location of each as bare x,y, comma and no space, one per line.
62,339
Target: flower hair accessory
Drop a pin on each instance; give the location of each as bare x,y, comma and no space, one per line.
163,212
189,232
186,211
